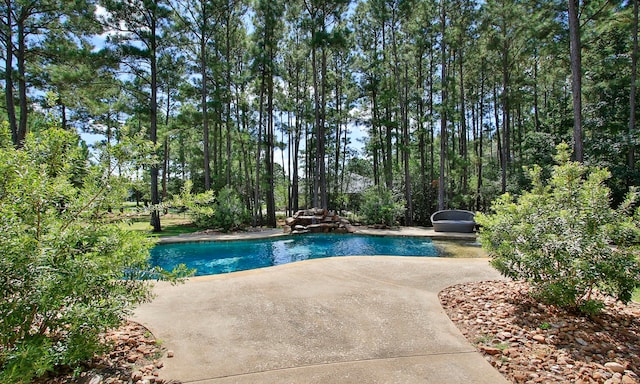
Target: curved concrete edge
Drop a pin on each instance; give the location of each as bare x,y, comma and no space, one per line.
201,237
467,367
336,320
278,232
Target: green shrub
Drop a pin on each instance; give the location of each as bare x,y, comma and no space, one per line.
230,214
202,210
225,212
565,238
66,277
380,206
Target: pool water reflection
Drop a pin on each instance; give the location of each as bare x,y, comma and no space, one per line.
215,257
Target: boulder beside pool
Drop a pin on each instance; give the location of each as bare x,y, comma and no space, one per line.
453,220
317,220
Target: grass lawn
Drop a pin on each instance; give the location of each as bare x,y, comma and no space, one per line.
172,225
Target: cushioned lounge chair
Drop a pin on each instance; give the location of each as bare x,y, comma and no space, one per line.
453,220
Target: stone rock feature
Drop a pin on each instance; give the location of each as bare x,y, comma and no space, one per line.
317,220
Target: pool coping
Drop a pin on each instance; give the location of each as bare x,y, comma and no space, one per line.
279,232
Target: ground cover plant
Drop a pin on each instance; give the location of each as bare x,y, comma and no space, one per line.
565,239
67,275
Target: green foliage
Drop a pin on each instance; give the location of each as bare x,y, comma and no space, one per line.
201,208
66,276
544,326
5,134
565,238
225,212
380,206
230,212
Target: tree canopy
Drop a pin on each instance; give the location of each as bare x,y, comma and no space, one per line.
284,103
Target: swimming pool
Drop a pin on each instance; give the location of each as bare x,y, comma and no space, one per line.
216,257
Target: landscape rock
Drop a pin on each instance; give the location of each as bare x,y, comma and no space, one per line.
490,350
615,367
129,360
539,338
568,348
133,358
581,342
316,220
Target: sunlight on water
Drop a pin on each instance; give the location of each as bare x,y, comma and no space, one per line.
215,257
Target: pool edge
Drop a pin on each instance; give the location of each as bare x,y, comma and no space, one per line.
278,232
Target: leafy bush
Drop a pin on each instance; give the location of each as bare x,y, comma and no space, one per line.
565,238
380,206
225,212
66,277
230,212
201,208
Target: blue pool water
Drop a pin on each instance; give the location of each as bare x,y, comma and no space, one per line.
215,257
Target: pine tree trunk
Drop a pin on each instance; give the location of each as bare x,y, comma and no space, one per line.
421,124
257,208
506,118
463,129
228,98
153,134
480,143
324,202
165,168
8,78
443,113
270,193
406,152
317,134
205,114
432,138
576,78
631,159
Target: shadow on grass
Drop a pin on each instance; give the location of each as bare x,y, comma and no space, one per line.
174,230
171,226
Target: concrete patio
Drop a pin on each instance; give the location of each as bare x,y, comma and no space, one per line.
336,320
